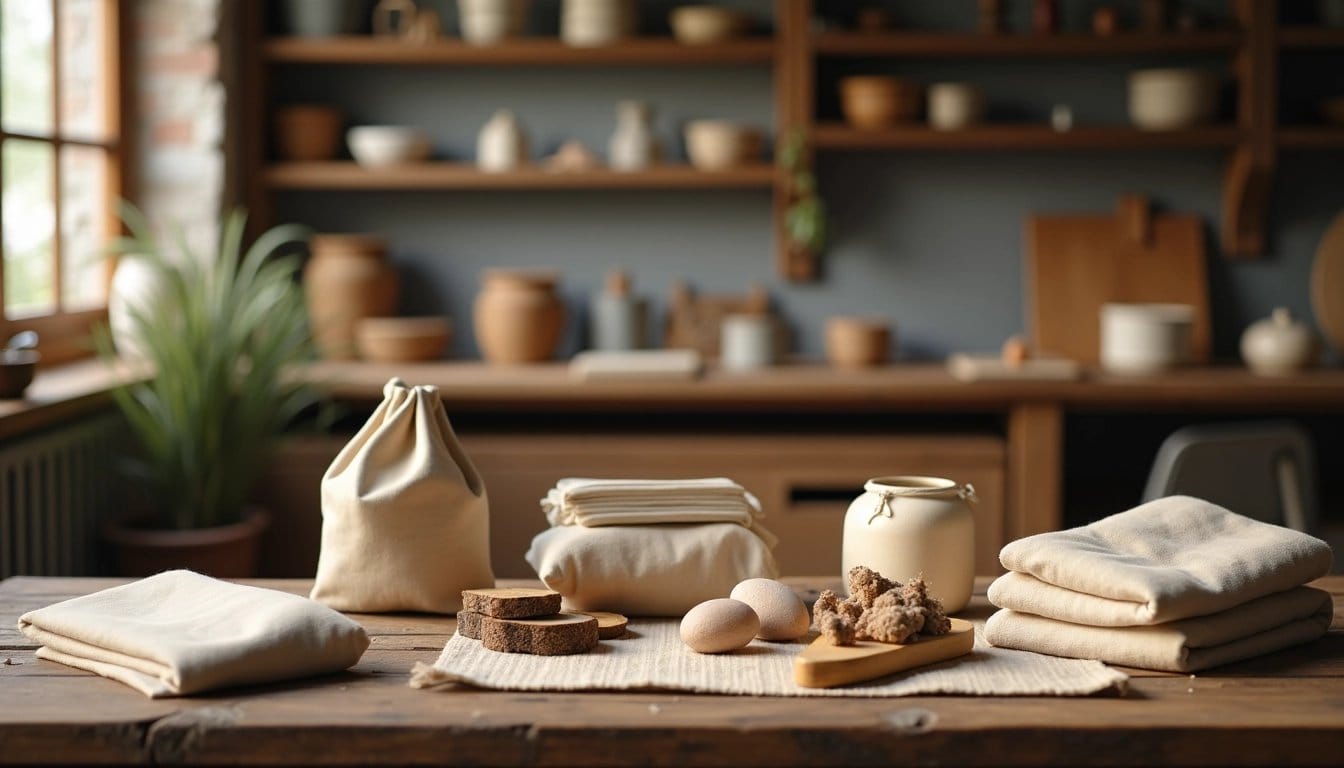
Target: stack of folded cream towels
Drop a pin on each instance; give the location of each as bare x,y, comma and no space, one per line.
1178,584
649,547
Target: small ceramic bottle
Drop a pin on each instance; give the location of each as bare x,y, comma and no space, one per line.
501,145
633,147
1278,345
903,527
617,319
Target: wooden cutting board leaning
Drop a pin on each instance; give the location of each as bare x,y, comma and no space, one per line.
1327,284
1078,262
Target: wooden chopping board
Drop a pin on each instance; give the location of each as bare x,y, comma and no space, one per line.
1077,263
823,665
1327,284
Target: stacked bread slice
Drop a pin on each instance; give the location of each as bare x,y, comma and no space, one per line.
524,620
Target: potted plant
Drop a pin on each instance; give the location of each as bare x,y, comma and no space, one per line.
805,215
217,333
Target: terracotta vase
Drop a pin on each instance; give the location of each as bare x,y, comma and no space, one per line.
872,102
346,279
518,317
226,551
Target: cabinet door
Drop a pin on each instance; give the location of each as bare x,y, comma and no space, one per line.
804,481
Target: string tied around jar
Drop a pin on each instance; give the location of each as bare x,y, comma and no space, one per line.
885,495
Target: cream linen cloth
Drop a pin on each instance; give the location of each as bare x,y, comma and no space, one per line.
653,656
178,633
1168,559
648,570
592,502
1260,626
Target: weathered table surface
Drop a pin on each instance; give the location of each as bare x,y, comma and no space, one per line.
1282,709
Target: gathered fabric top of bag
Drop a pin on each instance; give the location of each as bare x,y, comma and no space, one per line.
592,503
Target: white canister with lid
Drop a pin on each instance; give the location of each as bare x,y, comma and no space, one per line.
907,526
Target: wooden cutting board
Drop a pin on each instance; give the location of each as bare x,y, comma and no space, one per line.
1076,263
1327,284
823,665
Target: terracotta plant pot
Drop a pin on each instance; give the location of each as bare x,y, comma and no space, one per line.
346,280
518,316
308,132
878,101
857,342
226,551
402,339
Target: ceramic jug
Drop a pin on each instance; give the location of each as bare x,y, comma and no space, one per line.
1278,345
346,279
501,144
633,147
618,320
518,316
906,526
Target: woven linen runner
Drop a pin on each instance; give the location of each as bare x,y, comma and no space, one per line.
652,656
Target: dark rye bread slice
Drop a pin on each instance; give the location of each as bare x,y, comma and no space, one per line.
557,635
609,625
511,602
469,624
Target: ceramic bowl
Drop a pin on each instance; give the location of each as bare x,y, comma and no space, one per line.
716,145
953,106
706,24
308,132
1145,338
872,102
402,339
17,367
379,146
1171,99
857,342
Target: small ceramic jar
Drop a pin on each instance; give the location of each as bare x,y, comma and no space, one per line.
906,526
953,106
1278,345
747,342
1145,338
501,144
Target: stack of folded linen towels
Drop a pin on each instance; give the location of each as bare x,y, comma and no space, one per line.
649,547
1178,584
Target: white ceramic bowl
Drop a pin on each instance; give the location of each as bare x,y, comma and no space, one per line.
717,145
1170,99
1145,338
378,146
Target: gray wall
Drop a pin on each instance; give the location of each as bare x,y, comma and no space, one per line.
932,240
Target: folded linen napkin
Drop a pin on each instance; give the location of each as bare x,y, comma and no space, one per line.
178,633
1168,559
592,502
1263,625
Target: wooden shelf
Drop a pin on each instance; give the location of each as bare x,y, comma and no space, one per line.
846,44
1311,37
1311,137
838,136
536,51
461,176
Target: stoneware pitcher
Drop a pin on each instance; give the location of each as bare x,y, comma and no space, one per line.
906,526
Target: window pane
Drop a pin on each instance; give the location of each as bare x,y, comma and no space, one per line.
83,227
29,226
83,76
25,65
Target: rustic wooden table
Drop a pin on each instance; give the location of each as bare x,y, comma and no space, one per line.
1282,709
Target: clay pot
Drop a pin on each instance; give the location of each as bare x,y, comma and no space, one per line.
346,280
719,145
1172,98
518,316
857,342
225,551
402,339
308,132
878,101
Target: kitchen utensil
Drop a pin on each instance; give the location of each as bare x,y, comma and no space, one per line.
402,339
1077,263
18,363
1278,345
823,665
380,146
873,102
706,24
1145,338
1327,284
1171,98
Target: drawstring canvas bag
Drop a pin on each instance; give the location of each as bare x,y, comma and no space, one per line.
405,519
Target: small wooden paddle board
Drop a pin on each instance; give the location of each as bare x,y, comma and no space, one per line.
823,665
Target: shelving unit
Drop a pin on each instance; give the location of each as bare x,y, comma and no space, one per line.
838,136
961,45
462,176
525,52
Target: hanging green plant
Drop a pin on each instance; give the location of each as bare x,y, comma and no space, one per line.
805,217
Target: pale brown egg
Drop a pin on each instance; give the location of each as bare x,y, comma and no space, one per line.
782,613
719,625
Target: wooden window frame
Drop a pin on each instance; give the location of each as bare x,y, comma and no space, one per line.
67,335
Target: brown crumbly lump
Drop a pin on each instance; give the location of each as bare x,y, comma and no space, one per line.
879,609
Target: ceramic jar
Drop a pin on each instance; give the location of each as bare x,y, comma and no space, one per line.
1171,98
905,526
953,106
501,145
346,279
589,23
633,147
617,319
324,18
747,342
518,316
1278,345
1145,338
488,22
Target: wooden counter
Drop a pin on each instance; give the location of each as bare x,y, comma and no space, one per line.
1282,709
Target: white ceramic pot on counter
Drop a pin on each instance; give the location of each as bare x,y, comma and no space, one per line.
1145,338
1278,345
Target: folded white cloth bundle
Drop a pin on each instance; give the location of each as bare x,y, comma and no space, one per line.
178,633
585,501
1128,588
648,570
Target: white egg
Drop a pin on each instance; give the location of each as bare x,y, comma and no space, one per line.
719,625
782,613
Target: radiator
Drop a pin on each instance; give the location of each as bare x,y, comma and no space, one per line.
55,488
